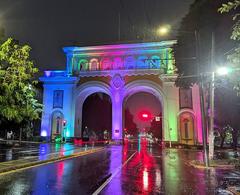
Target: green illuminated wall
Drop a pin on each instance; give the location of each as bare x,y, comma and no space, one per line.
171,109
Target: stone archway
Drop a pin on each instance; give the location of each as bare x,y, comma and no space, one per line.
81,95
153,89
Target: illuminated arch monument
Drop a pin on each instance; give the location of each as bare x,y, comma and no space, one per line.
120,71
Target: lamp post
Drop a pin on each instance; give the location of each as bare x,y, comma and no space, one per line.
221,71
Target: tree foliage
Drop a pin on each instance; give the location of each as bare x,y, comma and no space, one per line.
234,56
130,125
156,127
193,50
17,95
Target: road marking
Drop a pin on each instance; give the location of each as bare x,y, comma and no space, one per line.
113,175
83,153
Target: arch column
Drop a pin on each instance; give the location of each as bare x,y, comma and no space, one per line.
117,105
117,96
78,119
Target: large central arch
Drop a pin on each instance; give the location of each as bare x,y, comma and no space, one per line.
151,88
88,88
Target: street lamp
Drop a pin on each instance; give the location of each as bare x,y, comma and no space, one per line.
163,30
221,71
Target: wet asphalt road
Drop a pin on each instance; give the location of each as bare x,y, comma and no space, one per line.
8,153
128,169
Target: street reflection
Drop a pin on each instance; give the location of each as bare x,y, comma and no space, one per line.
140,172
151,170
9,154
145,179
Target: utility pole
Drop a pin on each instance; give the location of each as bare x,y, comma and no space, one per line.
211,114
204,134
202,107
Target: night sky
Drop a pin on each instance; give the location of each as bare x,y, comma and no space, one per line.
48,25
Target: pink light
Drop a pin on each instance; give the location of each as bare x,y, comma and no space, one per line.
145,179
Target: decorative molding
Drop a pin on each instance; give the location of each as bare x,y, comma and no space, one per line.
130,72
168,77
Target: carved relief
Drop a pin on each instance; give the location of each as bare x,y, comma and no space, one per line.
142,62
118,63
155,62
94,64
129,62
82,65
106,64
117,81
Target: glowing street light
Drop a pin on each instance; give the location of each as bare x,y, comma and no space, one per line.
163,30
223,71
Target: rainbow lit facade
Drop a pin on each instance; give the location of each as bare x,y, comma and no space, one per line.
119,71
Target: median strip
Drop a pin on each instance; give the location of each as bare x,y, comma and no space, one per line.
27,165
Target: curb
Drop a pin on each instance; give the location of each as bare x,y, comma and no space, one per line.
48,161
211,166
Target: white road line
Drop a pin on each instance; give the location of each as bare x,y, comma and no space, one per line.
113,175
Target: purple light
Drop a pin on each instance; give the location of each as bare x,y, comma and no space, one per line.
47,73
44,133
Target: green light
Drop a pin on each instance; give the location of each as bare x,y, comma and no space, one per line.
58,139
170,133
170,66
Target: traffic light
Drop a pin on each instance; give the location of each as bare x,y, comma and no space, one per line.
145,116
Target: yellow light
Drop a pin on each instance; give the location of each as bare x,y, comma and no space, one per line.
163,30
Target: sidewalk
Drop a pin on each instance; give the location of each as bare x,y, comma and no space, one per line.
47,153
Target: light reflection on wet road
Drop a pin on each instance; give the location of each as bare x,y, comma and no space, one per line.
151,170
33,150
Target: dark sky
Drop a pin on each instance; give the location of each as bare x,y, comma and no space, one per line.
48,25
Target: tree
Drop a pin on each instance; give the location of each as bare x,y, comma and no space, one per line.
227,110
17,96
156,127
130,125
202,33
234,56
193,50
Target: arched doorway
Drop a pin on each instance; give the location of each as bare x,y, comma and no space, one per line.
82,93
57,124
186,123
142,113
97,117
153,90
